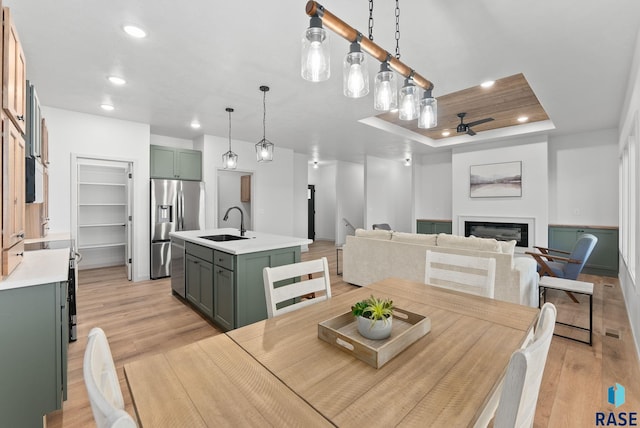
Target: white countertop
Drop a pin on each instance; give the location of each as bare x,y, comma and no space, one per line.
256,241
39,267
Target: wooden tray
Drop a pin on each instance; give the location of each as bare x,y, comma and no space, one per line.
342,332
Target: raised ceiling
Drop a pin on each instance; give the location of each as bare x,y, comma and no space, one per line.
201,56
505,101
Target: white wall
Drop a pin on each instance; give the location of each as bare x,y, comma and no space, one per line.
433,186
88,135
583,176
229,196
324,180
272,184
349,198
300,204
534,202
631,109
388,194
163,140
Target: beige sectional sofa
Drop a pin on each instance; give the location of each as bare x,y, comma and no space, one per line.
373,255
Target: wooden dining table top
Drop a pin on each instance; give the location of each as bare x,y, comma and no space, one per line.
279,372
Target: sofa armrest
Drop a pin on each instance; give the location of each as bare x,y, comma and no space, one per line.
528,270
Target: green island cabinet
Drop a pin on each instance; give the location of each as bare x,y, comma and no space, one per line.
603,259
228,288
34,338
433,226
175,164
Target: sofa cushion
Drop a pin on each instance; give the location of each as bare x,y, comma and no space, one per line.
374,234
507,247
414,238
469,243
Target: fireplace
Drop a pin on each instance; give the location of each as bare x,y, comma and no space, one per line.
499,230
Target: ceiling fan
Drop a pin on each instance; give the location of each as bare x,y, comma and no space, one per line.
466,127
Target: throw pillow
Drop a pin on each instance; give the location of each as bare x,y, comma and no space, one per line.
469,243
374,234
414,238
507,247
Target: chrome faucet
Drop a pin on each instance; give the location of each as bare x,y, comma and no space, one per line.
226,217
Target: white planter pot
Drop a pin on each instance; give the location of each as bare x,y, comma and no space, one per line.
379,329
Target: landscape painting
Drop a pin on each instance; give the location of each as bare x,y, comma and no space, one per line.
496,180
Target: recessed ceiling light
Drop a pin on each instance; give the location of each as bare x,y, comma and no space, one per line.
195,124
523,119
106,107
134,31
119,81
446,133
488,83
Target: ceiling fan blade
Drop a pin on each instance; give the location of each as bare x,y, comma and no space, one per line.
471,132
478,122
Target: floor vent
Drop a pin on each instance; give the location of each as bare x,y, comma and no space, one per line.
608,285
612,333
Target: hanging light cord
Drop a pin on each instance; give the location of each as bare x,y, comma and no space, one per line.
229,130
264,116
398,29
371,20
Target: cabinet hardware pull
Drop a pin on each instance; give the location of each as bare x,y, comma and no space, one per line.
20,117
20,254
21,235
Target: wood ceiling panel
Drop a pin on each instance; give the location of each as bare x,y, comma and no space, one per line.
508,99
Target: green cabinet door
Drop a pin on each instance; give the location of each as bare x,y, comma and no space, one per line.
199,283
189,164
162,162
177,164
34,342
433,226
223,298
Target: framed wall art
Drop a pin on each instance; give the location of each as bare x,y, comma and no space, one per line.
496,180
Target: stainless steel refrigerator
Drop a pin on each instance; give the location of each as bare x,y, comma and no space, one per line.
175,205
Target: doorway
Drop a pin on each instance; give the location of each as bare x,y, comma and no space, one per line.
311,210
235,189
102,207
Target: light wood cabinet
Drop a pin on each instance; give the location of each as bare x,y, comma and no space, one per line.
13,185
14,75
245,188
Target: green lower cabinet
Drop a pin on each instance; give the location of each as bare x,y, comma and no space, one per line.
603,259
223,297
33,353
235,284
433,226
199,283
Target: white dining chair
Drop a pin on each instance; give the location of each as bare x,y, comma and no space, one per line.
275,294
474,275
103,387
519,397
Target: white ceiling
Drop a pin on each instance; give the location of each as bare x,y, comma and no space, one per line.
201,56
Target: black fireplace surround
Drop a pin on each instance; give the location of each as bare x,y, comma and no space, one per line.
500,231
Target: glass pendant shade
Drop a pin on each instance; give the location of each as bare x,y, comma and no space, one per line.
428,111
230,160
355,78
264,151
385,94
409,101
315,60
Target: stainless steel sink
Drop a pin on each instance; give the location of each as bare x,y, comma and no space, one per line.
220,238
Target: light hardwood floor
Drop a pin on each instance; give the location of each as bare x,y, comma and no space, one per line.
144,318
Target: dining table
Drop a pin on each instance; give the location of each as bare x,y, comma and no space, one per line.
279,372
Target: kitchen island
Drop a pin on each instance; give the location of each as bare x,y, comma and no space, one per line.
223,274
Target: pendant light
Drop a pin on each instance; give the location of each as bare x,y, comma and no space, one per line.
315,60
428,111
264,148
385,94
409,100
229,159
355,78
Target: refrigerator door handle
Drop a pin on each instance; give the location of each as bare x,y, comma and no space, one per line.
180,210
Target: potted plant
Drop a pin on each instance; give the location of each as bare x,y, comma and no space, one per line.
374,317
